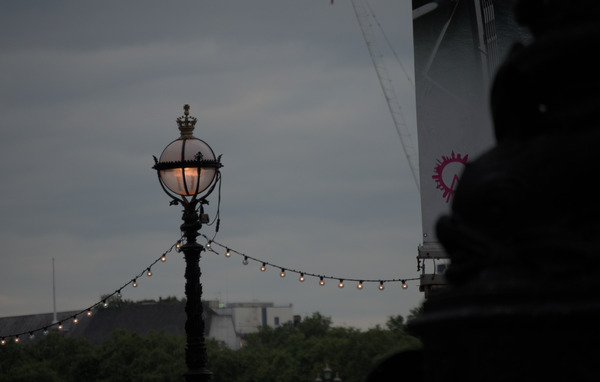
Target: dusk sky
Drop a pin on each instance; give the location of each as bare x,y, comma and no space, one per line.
314,178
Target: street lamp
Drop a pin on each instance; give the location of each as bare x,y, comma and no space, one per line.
327,374
188,172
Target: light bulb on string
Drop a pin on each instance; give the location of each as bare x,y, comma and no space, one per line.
301,278
178,245
3,342
404,285
263,267
245,261
75,320
359,285
341,284
282,273
381,287
31,335
119,295
45,331
134,283
149,272
60,326
321,281
228,253
17,339
104,304
209,244
89,312
163,258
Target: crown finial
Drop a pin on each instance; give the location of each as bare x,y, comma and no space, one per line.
186,123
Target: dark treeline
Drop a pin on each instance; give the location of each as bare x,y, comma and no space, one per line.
115,301
286,353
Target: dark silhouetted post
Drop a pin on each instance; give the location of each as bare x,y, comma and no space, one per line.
523,295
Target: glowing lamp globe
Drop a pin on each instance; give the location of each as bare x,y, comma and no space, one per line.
187,166
184,169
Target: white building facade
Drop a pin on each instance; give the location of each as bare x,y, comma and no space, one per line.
233,321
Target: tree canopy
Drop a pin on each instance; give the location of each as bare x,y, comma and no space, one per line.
287,353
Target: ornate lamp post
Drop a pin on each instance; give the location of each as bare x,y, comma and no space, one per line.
188,172
327,374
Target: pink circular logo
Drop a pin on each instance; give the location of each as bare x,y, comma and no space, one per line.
447,173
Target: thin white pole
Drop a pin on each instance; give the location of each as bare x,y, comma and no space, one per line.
54,319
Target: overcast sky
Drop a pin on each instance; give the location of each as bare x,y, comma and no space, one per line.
314,176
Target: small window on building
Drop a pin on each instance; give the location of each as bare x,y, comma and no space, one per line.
276,319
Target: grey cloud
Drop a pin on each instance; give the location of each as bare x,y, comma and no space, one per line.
314,174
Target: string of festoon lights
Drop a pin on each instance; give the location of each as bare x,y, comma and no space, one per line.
210,246
87,312
302,275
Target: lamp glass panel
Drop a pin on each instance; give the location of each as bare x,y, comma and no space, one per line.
178,179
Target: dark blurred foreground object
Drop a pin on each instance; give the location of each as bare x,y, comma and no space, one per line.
400,366
523,235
